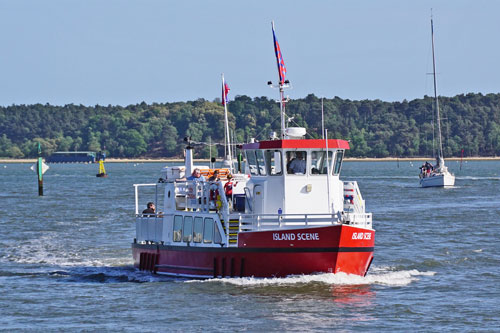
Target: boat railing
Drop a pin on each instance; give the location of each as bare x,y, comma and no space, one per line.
353,201
257,222
149,228
362,220
200,196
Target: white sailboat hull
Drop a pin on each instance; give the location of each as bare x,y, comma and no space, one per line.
438,180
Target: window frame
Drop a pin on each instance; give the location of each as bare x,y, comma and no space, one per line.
177,233
250,154
324,165
195,223
304,153
206,229
185,232
260,158
337,166
269,155
217,236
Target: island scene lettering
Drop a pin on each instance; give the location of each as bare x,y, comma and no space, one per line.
290,236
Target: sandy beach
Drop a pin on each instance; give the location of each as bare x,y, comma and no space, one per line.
347,159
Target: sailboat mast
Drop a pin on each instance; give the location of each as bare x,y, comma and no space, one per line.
438,119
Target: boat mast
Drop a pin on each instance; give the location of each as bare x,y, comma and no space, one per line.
435,93
322,120
282,82
227,139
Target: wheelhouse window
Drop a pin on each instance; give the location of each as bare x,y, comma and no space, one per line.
208,233
260,162
338,162
319,163
198,229
188,229
252,162
177,228
273,162
296,162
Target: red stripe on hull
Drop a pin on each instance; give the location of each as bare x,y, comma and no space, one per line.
270,254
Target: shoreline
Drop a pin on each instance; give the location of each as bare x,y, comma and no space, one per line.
351,159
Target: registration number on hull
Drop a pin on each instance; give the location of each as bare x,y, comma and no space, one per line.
362,235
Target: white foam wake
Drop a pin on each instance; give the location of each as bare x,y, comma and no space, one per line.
380,276
48,249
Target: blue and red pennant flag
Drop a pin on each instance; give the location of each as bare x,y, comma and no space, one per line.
225,91
279,58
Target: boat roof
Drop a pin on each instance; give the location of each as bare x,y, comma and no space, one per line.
304,143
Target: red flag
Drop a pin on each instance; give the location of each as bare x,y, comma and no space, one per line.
225,91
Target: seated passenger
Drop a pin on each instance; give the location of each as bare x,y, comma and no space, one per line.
196,176
214,177
297,165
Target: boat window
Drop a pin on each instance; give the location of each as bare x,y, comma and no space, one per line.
252,162
198,229
338,162
188,229
177,228
296,162
273,162
260,162
208,233
318,162
217,238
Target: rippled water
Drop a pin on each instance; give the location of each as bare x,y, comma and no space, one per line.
65,260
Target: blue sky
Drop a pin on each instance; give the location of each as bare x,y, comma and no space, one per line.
125,52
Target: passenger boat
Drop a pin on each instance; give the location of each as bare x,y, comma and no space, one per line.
294,214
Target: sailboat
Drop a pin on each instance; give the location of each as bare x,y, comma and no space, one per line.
438,175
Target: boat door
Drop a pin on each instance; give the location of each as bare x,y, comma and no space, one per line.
258,199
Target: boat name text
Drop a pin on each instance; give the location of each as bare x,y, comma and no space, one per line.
361,235
299,236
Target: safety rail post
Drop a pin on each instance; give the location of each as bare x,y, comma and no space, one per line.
136,186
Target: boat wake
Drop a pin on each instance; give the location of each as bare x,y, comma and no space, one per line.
478,178
385,276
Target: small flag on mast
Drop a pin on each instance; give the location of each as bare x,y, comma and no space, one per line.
225,91
279,58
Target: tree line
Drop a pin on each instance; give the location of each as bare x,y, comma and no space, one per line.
470,123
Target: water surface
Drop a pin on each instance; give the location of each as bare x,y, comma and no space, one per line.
65,259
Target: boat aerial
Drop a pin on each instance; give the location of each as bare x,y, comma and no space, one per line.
436,175
290,214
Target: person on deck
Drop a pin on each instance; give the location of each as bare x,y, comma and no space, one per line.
228,187
150,211
196,176
214,177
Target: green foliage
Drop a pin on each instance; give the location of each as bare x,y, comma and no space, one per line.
374,128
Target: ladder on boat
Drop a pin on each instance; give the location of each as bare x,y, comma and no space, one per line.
232,232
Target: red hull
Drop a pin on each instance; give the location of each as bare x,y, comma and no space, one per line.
331,249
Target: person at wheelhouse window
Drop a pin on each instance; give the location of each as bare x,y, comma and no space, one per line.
297,164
